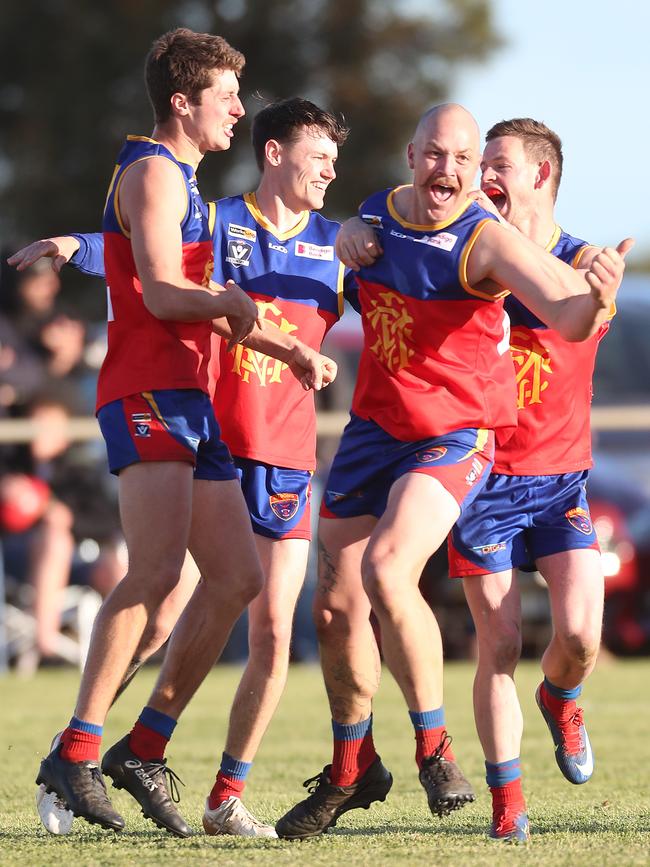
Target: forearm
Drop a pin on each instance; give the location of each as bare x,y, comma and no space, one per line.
580,317
89,257
265,337
184,301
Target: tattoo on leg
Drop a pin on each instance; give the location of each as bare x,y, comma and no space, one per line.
327,574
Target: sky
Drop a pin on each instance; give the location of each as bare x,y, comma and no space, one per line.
584,69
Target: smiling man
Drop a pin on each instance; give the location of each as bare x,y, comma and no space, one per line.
435,383
280,251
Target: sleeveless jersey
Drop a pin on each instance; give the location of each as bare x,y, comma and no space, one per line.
554,388
146,353
435,354
298,284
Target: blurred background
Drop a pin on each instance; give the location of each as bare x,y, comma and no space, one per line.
70,90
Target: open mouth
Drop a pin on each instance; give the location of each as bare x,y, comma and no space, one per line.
442,192
497,197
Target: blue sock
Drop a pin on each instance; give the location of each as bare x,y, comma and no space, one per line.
558,692
82,726
157,721
501,773
353,732
234,769
427,719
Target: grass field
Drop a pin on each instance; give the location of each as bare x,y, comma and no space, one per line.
605,822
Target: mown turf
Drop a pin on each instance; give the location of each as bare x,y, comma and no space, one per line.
606,822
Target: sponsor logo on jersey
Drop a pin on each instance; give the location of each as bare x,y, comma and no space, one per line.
372,220
443,240
474,473
242,232
284,506
239,253
426,456
392,325
142,429
580,519
314,251
277,247
490,549
141,416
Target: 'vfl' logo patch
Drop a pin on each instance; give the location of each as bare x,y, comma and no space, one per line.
142,422
580,519
239,253
426,456
284,506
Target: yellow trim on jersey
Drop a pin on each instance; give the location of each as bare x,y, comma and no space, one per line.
142,138
148,396
212,216
116,207
339,288
418,228
250,200
482,435
110,186
462,266
555,237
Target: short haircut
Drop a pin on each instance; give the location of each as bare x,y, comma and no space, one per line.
540,143
183,61
284,119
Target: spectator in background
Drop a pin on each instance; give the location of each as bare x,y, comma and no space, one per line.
54,494
40,343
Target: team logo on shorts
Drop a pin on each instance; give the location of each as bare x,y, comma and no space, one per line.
285,506
426,456
142,422
239,253
581,520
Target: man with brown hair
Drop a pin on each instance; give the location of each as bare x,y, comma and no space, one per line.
177,482
533,511
281,250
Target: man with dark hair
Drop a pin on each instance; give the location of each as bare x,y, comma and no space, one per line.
282,254
533,511
161,432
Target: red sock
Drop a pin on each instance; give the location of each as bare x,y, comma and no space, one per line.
78,746
426,742
559,707
224,788
352,759
146,743
510,796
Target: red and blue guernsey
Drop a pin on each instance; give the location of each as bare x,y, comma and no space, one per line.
554,388
146,353
298,285
435,356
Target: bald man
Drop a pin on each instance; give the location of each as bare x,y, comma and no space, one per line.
435,385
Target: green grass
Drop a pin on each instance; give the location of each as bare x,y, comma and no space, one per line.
603,823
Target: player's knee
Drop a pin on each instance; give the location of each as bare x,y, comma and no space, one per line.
379,583
333,622
269,644
581,647
504,650
247,584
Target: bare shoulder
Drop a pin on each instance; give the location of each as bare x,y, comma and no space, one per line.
153,184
